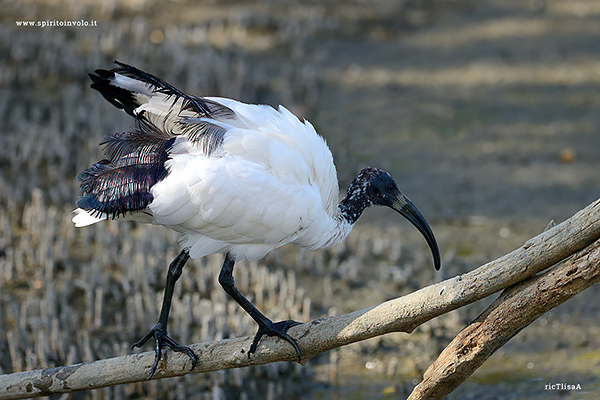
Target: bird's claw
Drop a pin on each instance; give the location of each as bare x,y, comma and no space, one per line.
278,329
161,339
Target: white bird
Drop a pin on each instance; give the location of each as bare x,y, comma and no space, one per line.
230,177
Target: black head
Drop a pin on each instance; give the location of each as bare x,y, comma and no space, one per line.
374,186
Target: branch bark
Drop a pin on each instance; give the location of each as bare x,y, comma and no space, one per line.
403,314
516,308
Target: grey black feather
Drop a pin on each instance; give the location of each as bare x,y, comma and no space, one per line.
203,133
122,183
126,100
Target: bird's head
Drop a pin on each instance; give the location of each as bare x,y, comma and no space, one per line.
374,186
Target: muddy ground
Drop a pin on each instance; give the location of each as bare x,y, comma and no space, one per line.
486,113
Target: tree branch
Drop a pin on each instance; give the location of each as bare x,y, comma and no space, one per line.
515,309
403,314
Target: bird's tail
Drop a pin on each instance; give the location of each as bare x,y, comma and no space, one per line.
85,218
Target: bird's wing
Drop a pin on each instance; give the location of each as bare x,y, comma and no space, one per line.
129,88
135,160
233,202
272,179
149,98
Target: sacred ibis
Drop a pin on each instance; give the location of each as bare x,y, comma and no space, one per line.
233,178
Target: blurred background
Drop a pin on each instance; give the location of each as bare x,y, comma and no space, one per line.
487,113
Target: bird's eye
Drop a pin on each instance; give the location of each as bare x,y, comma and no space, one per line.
390,187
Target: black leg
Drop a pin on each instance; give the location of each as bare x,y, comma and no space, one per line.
159,332
265,325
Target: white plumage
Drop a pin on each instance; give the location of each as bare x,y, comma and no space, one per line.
271,182
234,178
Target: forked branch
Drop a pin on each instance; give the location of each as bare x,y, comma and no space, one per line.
514,310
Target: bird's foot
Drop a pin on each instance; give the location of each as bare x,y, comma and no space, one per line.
161,339
278,329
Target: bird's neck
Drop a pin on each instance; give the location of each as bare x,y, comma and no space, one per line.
334,228
355,202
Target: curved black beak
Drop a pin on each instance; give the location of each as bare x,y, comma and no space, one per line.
409,211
